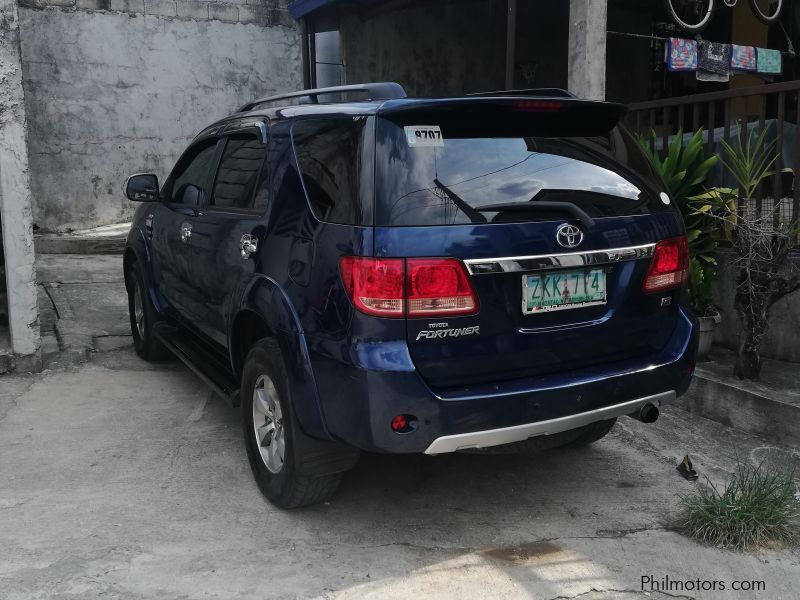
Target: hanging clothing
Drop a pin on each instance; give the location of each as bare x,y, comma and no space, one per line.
713,62
743,59
681,55
769,62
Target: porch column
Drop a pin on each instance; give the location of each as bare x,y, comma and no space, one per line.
511,42
15,197
587,48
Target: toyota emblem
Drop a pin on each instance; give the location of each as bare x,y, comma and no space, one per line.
569,236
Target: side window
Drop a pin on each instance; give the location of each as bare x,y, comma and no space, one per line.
239,172
191,175
329,155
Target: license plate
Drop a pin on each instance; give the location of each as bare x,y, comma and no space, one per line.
562,290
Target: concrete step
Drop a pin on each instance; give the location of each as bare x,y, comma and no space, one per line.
769,408
108,239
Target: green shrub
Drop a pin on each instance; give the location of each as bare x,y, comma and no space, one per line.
758,507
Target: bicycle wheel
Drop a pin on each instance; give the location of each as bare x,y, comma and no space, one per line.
691,15
767,11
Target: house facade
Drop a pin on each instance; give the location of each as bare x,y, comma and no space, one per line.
95,89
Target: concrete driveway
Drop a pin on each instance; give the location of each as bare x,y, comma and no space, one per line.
124,480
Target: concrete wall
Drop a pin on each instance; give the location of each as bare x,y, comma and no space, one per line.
782,340
15,197
449,48
114,87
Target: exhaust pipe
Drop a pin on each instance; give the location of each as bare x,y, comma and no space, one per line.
647,414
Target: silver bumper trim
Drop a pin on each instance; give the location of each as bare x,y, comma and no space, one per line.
514,264
518,433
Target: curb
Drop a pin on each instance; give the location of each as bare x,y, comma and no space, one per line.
747,410
62,244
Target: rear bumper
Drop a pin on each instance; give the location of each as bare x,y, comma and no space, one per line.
362,386
518,433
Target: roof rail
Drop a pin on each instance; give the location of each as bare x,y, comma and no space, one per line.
544,92
376,91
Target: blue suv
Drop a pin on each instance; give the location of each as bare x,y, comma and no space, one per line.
413,275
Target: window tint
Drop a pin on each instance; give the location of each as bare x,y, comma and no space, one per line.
191,175
238,172
261,201
458,177
329,154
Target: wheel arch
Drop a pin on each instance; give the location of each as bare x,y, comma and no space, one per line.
266,311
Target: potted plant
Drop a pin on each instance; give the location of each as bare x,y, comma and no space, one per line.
684,170
701,300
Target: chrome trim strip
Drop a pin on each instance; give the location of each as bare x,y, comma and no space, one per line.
518,433
513,264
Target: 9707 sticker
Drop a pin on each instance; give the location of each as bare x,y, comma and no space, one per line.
420,136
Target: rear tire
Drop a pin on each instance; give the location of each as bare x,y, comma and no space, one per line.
143,317
270,432
592,433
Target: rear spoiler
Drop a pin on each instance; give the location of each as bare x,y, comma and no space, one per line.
508,116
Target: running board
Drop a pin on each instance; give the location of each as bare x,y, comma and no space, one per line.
200,360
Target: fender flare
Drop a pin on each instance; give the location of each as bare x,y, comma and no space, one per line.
267,299
137,244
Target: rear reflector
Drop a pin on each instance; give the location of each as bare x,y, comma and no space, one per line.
669,268
414,287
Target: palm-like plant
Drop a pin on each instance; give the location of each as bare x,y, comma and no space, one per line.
761,241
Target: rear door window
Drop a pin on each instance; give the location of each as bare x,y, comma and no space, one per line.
239,172
330,153
432,175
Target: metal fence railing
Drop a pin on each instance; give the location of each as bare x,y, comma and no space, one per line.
724,116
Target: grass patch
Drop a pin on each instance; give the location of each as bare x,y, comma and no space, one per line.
757,507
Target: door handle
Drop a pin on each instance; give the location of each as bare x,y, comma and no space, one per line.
248,245
186,232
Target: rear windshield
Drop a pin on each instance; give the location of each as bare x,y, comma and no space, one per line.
429,174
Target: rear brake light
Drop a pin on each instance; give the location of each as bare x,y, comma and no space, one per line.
538,105
669,267
416,287
438,286
375,285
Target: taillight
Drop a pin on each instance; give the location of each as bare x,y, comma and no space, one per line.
375,285
669,267
438,286
414,287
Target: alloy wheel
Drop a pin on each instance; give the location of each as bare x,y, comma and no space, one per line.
268,424
138,309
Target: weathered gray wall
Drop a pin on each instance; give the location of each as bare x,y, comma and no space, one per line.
782,340
15,197
114,87
441,49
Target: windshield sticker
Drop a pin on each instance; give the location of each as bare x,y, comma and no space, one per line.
420,136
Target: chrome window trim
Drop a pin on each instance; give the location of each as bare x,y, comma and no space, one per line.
518,433
515,264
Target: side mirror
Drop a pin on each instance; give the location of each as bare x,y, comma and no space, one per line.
142,188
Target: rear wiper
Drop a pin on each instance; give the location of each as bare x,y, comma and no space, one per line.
468,210
566,207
